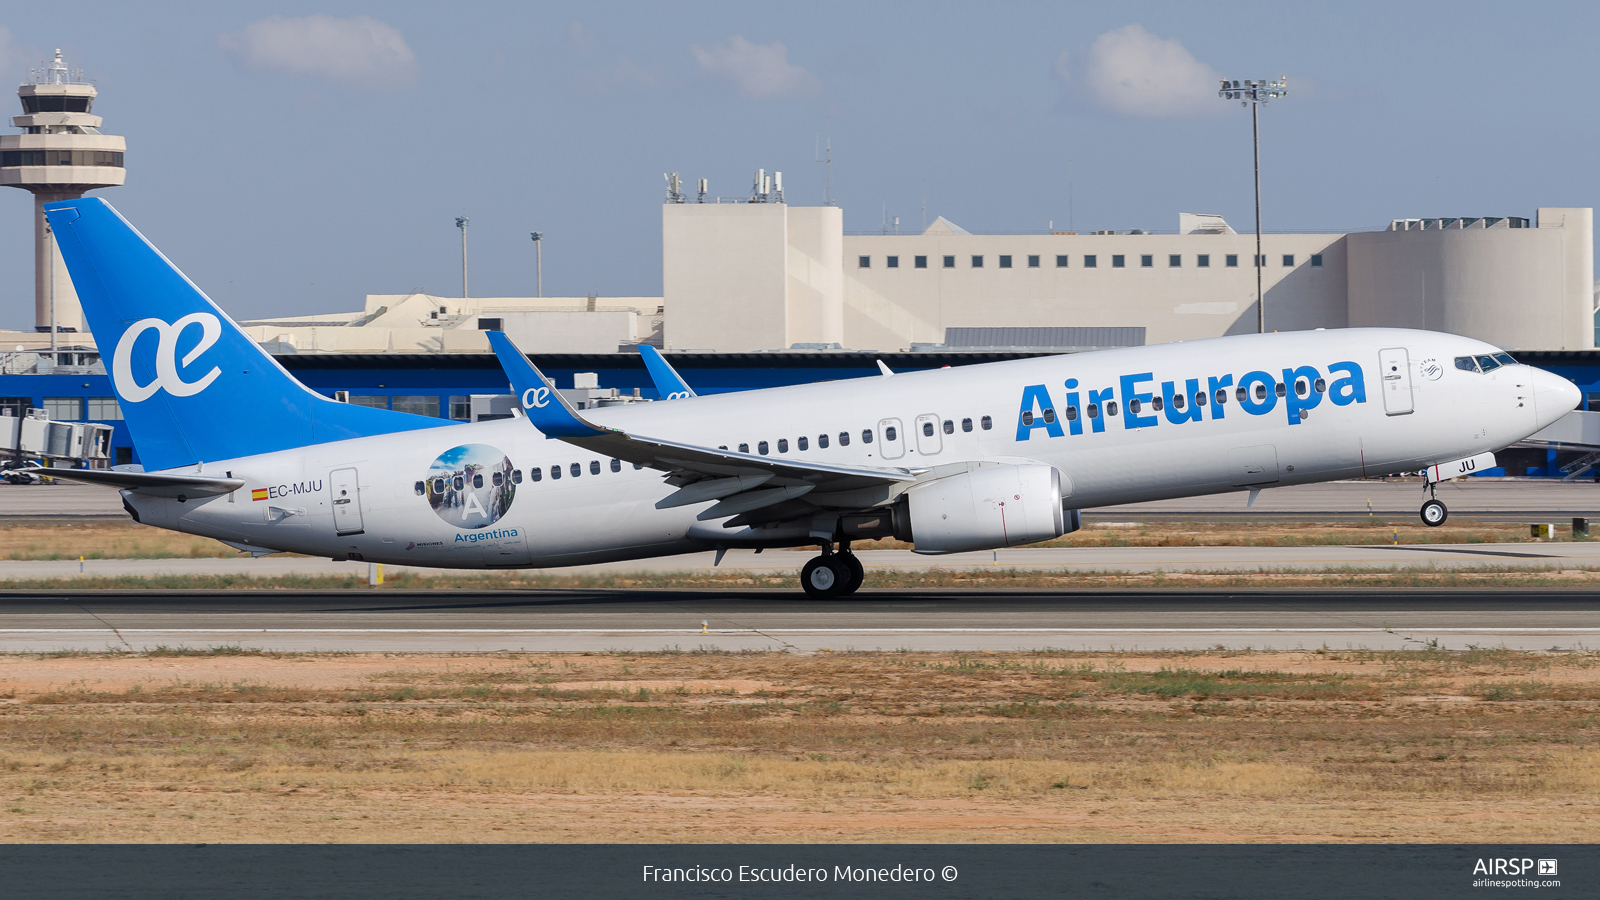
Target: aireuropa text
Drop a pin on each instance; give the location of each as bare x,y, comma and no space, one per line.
791,873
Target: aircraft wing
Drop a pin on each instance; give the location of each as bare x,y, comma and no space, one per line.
743,482
162,483
668,382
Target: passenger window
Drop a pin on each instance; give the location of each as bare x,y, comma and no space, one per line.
460,483
576,469
927,429
1111,407
966,424
1465,364
616,465
1072,414
499,479
801,443
594,467
1320,386
1050,416
536,473
555,473
477,480
866,436
1177,401
822,441
438,485
744,448
1222,396
986,423
1261,391
889,434
1240,393
1280,389
783,445
761,448
1199,398
1300,387
844,438
421,488
1094,410
1156,403
516,476
949,427
1027,417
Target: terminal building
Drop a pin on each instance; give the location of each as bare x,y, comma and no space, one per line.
757,293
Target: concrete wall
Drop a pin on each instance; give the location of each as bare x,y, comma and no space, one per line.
889,308
725,275
1522,288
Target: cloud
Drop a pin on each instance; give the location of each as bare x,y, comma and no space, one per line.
359,50
758,70
1133,72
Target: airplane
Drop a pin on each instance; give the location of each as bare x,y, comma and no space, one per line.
955,459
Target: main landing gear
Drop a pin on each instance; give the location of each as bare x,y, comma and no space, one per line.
1433,511
832,574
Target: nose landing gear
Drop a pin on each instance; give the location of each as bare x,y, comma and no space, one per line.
1433,511
832,574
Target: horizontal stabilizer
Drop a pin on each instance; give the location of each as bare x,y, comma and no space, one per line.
160,483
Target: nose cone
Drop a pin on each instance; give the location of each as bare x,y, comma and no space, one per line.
1553,397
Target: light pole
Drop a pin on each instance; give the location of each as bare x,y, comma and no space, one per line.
1255,94
538,258
461,223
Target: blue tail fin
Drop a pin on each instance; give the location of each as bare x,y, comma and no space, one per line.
192,386
668,382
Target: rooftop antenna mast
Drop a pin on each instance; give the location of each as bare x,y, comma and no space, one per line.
827,162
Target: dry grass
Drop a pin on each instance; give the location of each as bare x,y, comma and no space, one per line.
224,745
117,540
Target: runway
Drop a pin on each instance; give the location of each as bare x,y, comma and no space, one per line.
787,563
632,620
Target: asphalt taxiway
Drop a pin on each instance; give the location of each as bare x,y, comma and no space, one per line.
637,620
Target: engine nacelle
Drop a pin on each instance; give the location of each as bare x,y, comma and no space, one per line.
988,507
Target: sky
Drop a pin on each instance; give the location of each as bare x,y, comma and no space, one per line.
293,157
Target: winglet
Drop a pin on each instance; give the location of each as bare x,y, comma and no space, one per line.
884,368
668,382
544,406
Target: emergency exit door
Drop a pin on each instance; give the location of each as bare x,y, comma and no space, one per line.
1394,370
346,492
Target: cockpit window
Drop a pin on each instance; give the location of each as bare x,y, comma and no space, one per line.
1487,363
1466,364
1505,359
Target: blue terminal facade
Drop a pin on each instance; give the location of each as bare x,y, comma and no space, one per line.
443,382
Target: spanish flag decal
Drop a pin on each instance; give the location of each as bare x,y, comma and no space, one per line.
258,494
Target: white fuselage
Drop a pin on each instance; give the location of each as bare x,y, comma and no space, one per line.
1353,429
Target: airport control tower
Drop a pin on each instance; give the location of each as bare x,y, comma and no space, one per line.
59,155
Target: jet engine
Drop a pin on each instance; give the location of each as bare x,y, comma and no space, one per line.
988,507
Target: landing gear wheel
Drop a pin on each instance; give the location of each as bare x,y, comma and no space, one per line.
1434,514
856,572
824,578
